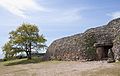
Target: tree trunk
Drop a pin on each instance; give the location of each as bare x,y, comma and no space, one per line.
29,52
29,58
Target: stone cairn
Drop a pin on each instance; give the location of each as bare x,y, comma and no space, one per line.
80,46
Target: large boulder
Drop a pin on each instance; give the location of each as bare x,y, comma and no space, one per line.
80,46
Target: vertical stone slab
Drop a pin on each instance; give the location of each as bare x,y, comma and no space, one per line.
100,51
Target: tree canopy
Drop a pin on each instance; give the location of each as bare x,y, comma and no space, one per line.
25,38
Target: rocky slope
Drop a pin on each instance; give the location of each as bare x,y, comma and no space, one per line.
80,46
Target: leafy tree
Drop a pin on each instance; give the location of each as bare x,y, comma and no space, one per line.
7,50
25,38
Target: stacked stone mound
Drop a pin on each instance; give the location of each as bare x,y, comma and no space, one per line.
80,46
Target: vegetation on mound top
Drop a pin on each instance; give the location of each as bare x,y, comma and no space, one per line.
90,49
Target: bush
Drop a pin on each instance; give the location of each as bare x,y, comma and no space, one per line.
90,49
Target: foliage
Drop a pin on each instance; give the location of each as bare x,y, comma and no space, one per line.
90,49
25,38
7,50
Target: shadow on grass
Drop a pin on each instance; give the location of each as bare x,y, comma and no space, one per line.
22,61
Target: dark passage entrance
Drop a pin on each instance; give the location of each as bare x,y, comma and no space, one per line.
102,50
105,51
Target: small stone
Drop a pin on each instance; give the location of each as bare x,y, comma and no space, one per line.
110,60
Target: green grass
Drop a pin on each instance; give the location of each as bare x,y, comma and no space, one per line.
22,61
25,61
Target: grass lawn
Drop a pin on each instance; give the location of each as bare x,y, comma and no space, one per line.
36,67
110,71
23,67
22,61
114,71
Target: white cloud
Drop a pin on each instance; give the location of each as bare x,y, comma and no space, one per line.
60,16
115,14
67,16
20,7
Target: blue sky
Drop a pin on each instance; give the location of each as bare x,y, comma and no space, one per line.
56,18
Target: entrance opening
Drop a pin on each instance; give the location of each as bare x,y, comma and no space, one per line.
102,50
105,51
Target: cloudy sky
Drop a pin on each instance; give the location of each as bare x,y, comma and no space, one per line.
55,18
